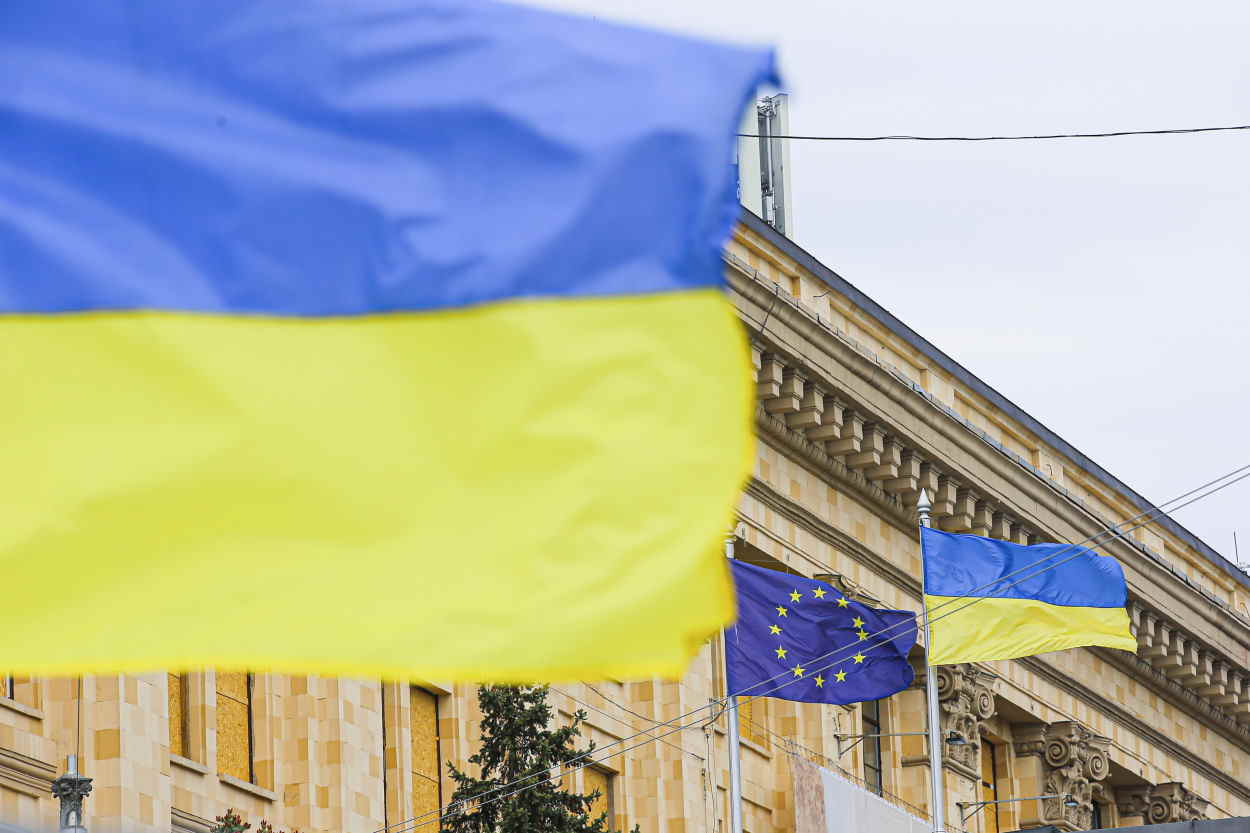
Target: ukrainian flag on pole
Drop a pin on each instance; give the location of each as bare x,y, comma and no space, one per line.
365,337
992,599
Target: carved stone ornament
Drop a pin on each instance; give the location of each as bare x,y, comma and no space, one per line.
1075,762
967,700
71,788
1162,803
1133,801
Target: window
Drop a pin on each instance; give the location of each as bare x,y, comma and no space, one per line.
1096,818
989,785
426,771
753,719
599,780
179,725
234,725
870,713
21,689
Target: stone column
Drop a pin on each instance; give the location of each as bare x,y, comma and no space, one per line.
1060,759
70,789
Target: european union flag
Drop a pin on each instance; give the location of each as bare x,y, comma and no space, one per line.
826,646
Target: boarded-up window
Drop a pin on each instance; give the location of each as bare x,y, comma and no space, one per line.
601,781
179,741
426,796
753,719
989,785
234,724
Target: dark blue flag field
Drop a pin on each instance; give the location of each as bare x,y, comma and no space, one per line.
800,639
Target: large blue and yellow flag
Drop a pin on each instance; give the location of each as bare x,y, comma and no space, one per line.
365,337
799,639
992,599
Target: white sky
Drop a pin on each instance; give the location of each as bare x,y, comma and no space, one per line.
1102,285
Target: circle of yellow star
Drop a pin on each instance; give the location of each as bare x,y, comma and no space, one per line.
781,611
819,592
774,630
862,635
820,681
840,676
781,652
795,596
857,622
858,658
842,602
798,670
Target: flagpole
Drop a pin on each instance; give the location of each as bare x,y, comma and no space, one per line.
731,731
924,507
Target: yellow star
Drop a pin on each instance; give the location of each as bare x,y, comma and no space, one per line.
774,630
840,676
857,622
842,602
781,611
798,670
795,596
819,592
863,635
820,681
781,652
859,658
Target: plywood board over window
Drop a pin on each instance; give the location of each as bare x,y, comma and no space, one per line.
601,781
753,719
234,724
179,740
426,769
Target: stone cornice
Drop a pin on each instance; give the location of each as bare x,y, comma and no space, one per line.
834,537
833,472
25,774
184,820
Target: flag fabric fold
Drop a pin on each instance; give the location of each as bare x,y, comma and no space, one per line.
800,639
369,337
992,599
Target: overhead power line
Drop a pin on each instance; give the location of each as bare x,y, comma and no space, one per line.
842,654
1020,138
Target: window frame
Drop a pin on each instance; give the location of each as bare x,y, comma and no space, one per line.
873,725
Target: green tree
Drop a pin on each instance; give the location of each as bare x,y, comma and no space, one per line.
232,822
518,745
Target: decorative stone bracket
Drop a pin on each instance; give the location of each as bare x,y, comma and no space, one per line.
966,695
1074,763
1161,803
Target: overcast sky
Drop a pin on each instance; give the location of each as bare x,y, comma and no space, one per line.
1102,285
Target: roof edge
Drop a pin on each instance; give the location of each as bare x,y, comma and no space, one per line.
970,380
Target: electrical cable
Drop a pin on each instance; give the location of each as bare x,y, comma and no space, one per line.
1023,137
404,826
621,720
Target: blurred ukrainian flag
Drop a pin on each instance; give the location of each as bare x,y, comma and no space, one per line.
365,338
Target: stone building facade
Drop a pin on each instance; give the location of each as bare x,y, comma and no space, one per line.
856,414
